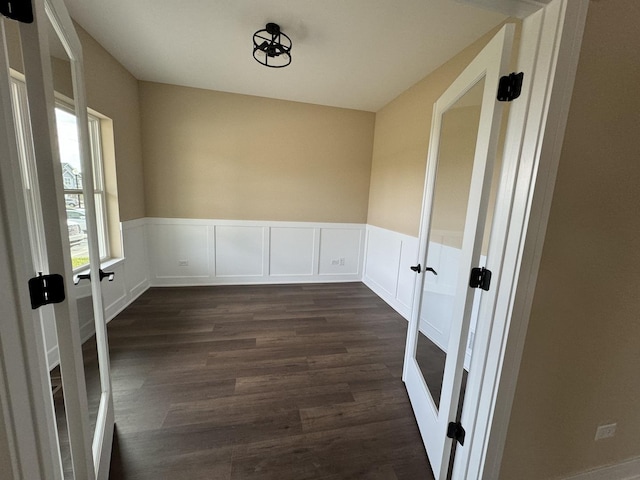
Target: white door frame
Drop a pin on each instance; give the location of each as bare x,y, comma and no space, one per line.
39,81
549,52
25,398
103,434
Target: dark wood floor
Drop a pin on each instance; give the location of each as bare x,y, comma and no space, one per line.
262,382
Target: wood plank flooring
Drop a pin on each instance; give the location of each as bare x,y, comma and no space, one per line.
262,382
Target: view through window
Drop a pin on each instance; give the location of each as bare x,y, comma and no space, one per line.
72,178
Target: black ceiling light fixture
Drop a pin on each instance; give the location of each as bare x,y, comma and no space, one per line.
271,47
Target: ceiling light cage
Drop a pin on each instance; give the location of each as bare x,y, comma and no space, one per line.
271,47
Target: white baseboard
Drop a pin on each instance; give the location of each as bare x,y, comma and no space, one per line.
629,470
212,282
132,297
138,290
389,299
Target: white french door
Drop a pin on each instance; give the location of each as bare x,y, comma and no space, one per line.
458,191
48,54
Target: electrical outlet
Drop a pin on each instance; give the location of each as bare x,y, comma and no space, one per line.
606,431
183,263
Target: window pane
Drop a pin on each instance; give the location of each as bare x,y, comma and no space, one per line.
77,225
74,200
69,149
72,177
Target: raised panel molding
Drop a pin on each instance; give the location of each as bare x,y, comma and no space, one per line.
178,251
239,251
253,252
292,251
388,256
340,251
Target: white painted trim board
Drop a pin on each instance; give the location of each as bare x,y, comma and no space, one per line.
628,470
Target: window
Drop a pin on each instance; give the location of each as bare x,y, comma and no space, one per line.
72,177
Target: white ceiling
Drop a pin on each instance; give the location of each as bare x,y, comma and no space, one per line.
347,53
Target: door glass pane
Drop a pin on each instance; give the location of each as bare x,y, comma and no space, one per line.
73,179
458,137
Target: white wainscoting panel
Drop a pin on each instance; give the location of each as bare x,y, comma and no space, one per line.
388,258
382,261
136,264
239,251
253,252
406,276
293,251
341,251
178,251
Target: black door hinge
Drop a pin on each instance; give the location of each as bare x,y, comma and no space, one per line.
510,87
456,432
46,289
480,278
20,10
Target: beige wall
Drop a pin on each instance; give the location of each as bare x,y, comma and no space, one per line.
113,91
582,350
401,144
219,155
5,455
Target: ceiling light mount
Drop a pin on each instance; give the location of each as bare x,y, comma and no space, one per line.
271,47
